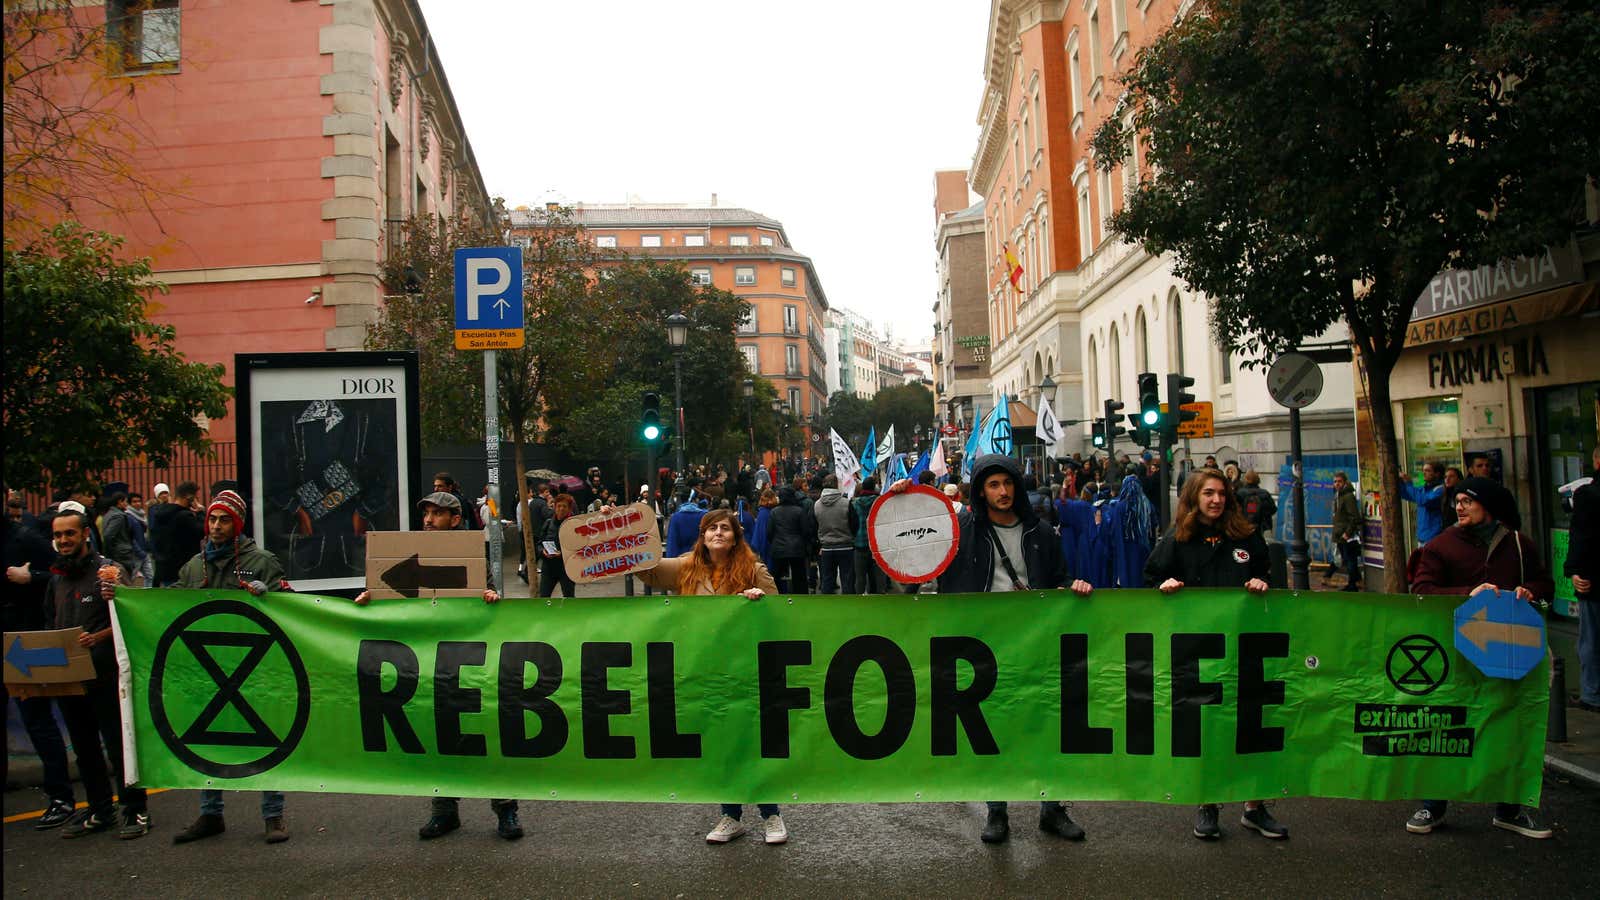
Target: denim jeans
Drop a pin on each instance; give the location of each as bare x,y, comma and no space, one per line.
39,718
271,804
734,810
1589,648
837,570
1350,552
869,578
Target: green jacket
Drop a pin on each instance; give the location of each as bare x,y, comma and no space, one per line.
1346,514
248,563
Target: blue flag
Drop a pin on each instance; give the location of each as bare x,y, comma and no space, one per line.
869,456
969,453
898,470
921,466
995,435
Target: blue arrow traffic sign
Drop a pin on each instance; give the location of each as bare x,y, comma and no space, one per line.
1500,634
26,659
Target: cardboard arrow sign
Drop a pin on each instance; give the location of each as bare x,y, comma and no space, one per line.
426,564
410,576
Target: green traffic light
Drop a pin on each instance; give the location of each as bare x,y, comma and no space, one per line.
652,432
1152,416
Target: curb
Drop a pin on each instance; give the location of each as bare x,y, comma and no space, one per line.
1572,770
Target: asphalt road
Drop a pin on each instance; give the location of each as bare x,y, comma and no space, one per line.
350,846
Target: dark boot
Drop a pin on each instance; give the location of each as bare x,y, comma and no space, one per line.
996,828
203,827
439,825
1054,819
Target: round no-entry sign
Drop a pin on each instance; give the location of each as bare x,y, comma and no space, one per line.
913,534
1295,380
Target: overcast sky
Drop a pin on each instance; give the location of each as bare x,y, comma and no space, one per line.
829,116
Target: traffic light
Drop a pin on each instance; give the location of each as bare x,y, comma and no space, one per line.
1149,399
1099,434
650,418
1142,434
1113,427
1177,396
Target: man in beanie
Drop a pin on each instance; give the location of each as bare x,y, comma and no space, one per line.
1005,547
1482,551
230,560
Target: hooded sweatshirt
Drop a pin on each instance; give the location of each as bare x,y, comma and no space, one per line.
832,511
1034,550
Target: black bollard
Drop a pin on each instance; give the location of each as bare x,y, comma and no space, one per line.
1556,730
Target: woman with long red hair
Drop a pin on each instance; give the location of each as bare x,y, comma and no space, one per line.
722,563
1212,544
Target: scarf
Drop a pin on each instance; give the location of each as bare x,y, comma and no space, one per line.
214,552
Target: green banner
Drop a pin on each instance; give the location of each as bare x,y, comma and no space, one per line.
1206,695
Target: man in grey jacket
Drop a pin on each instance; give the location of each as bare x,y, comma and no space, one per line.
837,565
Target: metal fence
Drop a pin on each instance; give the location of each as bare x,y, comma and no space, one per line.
220,464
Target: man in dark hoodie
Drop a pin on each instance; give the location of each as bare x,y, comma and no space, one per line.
869,577
28,561
1005,547
793,532
837,563
175,533
231,560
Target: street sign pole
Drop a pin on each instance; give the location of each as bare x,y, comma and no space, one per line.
1299,550
491,447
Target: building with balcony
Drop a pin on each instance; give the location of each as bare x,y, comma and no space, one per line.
960,359
1091,311
279,139
743,252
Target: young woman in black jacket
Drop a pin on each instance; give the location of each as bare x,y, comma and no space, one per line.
1212,544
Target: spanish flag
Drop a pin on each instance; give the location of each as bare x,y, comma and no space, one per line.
1014,268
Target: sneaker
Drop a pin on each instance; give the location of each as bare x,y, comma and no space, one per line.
276,831
1423,821
509,826
55,815
996,828
134,825
88,821
777,833
1055,820
1525,824
727,829
1262,822
438,826
1205,822
203,827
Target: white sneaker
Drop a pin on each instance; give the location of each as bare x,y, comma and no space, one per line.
776,832
727,829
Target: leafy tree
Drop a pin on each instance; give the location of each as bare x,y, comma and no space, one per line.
605,427
1318,162
907,407
642,293
73,134
419,315
851,416
89,380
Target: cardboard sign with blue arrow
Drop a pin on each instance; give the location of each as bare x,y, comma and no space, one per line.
1500,634
46,657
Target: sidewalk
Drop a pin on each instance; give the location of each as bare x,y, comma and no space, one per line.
1578,757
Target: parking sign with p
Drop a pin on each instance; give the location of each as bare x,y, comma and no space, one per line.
489,298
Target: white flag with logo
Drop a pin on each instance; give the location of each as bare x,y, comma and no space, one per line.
885,447
845,464
1049,430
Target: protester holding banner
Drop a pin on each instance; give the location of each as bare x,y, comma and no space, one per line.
441,511
81,586
722,563
1005,547
231,560
28,558
1483,551
1211,544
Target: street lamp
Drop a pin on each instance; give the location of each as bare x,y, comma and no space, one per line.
677,336
749,413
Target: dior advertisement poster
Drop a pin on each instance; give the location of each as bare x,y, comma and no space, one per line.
332,455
